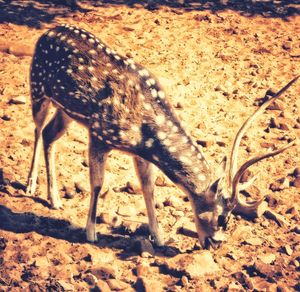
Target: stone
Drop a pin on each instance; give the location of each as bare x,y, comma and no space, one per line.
205,143
102,286
284,127
280,184
110,218
127,211
296,172
193,265
69,193
103,272
117,285
21,99
90,279
268,258
21,49
144,247
296,182
276,105
256,241
148,285
287,249
80,188
142,269
244,280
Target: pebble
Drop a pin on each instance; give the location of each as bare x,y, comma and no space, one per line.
147,285
102,286
284,127
20,49
296,172
21,99
276,106
288,250
280,184
142,269
244,280
79,188
296,182
110,218
205,143
118,285
267,258
161,181
127,211
144,247
193,265
90,279
256,241
69,193
246,176
103,272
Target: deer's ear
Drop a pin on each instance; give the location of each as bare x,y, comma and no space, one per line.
215,186
221,169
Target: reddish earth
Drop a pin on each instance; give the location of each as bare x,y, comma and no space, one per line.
215,59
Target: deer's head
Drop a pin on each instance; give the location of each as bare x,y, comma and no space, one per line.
213,208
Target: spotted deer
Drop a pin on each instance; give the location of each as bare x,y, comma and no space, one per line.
124,107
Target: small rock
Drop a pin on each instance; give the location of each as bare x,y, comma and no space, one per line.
20,49
267,258
246,176
179,105
103,272
102,286
130,227
296,172
148,285
287,249
221,143
244,280
90,279
161,181
69,193
144,247
118,285
280,184
193,265
173,201
256,241
283,126
274,123
185,281
110,218
267,145
79,188
142,269
6,117
296,182
205,143
276,105
127,211
286,46
21,99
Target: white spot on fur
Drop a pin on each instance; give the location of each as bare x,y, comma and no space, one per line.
160,119
161,135
149,143
154,92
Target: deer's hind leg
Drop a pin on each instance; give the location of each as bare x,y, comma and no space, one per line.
40,109
145,174
51,133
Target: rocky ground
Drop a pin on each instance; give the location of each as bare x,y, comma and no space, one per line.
215,60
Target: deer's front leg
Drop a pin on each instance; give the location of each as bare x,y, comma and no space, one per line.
97,158
144,171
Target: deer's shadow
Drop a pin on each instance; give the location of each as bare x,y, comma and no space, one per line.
63,229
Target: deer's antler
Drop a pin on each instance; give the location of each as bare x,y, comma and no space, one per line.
234,174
